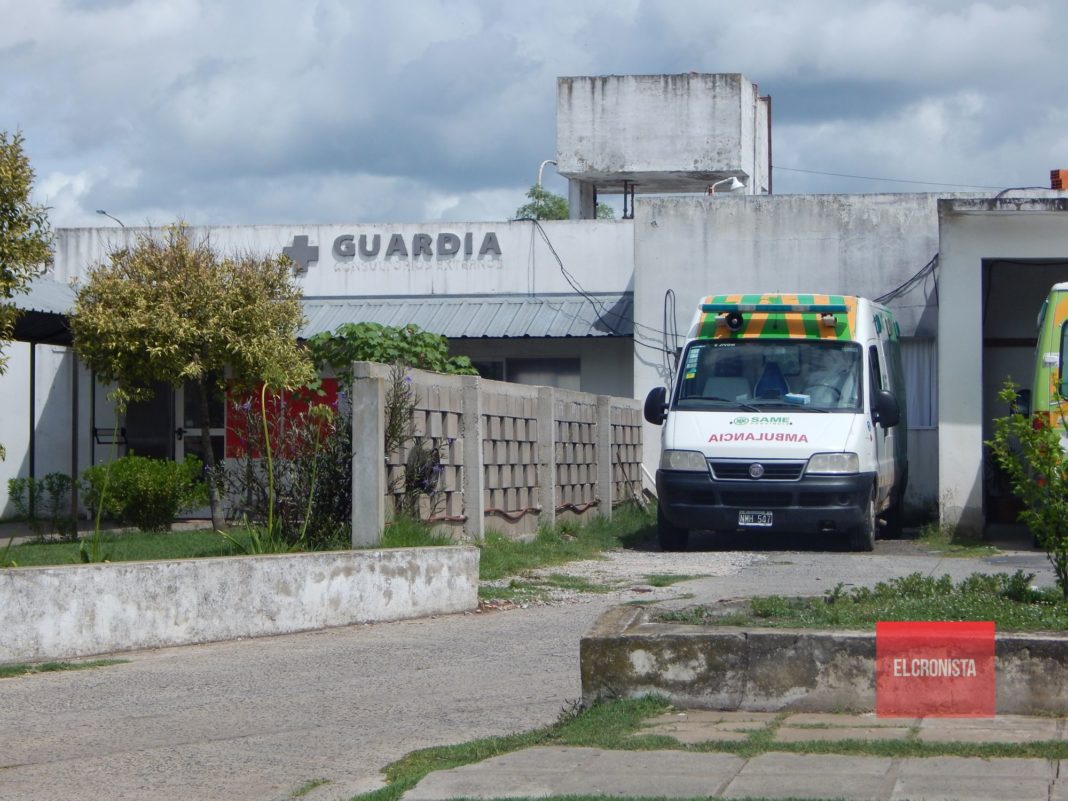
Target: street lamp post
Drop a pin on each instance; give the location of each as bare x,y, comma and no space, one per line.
732,184
112,217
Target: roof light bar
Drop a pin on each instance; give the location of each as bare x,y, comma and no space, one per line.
777,308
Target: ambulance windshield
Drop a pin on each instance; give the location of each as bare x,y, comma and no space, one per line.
812,375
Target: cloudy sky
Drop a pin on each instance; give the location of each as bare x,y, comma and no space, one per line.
346,111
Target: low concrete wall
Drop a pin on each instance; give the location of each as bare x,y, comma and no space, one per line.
80,610
627,655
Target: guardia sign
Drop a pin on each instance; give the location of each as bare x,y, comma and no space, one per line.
349,247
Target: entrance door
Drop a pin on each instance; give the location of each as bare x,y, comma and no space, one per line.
190,423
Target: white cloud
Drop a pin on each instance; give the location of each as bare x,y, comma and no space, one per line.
339,110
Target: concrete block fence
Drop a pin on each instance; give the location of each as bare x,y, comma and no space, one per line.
512,456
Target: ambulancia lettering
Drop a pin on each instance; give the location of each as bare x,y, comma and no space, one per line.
762,420
758,436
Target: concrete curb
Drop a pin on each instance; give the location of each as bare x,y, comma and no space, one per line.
626,654
81,610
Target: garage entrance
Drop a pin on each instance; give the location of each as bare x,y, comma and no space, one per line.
1013,292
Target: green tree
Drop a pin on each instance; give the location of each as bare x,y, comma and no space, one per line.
545,205
171,309
371,342
25,236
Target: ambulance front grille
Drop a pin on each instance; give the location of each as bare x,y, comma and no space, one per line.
740,469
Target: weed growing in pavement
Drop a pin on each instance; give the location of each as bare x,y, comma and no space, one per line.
307,787
24,669
947,540
666,579
1009,600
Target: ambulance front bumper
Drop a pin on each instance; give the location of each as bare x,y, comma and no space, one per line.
695,500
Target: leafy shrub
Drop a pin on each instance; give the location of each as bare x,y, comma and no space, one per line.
302,495
1028,450
44,503
147,493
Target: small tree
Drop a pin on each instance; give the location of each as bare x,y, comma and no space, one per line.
545,205
171,309
25,236
1028,449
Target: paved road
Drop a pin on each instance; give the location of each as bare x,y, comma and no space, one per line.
255,719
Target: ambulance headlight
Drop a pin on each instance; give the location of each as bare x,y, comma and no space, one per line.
683,460
833,464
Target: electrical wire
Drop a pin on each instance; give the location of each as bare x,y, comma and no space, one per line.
921,275
602,311
890,180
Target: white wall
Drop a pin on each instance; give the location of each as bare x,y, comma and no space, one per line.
80,610
52,415
597,254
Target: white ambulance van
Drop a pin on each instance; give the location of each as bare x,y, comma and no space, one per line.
786,414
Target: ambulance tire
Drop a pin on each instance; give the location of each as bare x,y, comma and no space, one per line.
892,529
862,537
671,538
894,515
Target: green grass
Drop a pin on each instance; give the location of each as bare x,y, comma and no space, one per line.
565,542
404,532
307,787
946,541
500,555
1008,600
20,669
666,579
130,547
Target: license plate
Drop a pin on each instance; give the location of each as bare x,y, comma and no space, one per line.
754,519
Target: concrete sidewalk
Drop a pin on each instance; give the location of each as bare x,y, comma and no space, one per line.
685,774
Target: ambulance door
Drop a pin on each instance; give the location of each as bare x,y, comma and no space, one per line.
884,437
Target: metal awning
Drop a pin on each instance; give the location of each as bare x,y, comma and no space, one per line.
482,316
45,309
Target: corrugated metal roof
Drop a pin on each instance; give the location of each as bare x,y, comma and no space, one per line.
44,312
482,316
46,295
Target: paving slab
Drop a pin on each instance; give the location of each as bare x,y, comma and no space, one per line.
547,771
938,778
1001,729
775,775
704,726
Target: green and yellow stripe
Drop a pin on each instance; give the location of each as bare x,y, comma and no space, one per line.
779,324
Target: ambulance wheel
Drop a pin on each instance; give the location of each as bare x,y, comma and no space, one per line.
862,537
671,538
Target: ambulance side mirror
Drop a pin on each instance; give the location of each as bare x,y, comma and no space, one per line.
886,406
656,406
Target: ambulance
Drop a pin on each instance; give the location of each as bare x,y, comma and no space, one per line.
1049,388
786,414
